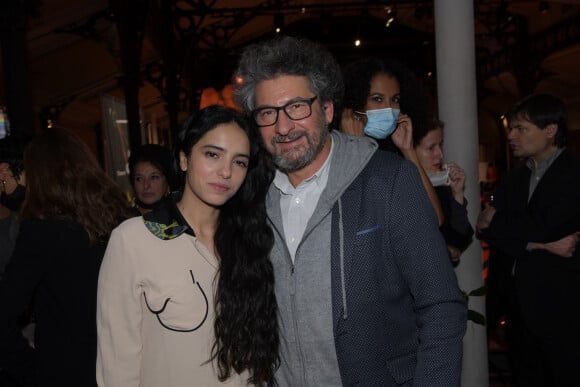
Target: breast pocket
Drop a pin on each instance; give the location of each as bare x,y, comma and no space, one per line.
183,308
367,239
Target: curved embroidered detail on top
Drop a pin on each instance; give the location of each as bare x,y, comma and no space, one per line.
158,312
165,231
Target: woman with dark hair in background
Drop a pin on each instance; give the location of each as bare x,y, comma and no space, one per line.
11,195
151,176
383,100
70,208
186,292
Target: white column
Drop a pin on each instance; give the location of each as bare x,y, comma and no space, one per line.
456,86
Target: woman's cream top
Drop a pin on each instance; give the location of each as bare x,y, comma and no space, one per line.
155,311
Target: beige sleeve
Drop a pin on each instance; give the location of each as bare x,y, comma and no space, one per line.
119,315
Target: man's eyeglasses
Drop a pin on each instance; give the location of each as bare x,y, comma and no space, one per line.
295,110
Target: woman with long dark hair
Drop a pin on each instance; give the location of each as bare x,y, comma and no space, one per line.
186,292
69,210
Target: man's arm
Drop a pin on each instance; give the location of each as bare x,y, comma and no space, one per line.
565,247
552,213
422,257
499,236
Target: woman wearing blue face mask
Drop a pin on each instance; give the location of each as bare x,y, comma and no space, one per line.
383,101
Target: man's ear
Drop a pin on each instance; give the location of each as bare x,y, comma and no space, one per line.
551,130
328,109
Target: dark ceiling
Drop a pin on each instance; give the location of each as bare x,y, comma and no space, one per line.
167,51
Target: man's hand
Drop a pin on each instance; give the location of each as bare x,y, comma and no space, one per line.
454,254
485,217
564,247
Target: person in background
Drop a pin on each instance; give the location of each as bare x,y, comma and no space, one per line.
186,292
11,195
383,100
535,223
366,292
70,208
448,180
151,176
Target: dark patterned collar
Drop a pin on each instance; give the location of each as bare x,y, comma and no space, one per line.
166,222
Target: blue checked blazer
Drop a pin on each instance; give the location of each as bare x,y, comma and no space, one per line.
399,315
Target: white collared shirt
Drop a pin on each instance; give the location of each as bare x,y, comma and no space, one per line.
298,203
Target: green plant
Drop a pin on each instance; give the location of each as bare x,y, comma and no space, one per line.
472,315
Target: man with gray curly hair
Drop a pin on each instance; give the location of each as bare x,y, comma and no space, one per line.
366,293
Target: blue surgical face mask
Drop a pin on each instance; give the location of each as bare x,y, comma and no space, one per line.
381,122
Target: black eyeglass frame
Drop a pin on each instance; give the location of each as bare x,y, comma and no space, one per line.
308,101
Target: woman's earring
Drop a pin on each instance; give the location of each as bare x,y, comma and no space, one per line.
3,185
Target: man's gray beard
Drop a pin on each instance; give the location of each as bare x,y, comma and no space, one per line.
291,165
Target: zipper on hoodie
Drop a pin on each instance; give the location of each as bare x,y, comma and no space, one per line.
301,362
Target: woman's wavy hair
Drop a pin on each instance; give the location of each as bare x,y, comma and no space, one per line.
414,101
64,181
246,327
287,56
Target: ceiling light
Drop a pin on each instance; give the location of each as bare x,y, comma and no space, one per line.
278,22
391,17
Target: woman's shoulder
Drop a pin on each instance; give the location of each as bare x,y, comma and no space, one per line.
131,225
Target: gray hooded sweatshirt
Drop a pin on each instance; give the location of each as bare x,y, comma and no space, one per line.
303,288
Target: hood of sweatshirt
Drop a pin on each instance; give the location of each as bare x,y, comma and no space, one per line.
308,338
350,155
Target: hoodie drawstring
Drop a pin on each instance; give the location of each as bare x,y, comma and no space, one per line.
341,249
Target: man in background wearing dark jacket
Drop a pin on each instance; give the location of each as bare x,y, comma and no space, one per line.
535,221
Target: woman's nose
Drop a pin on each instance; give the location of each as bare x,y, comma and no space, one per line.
225,171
